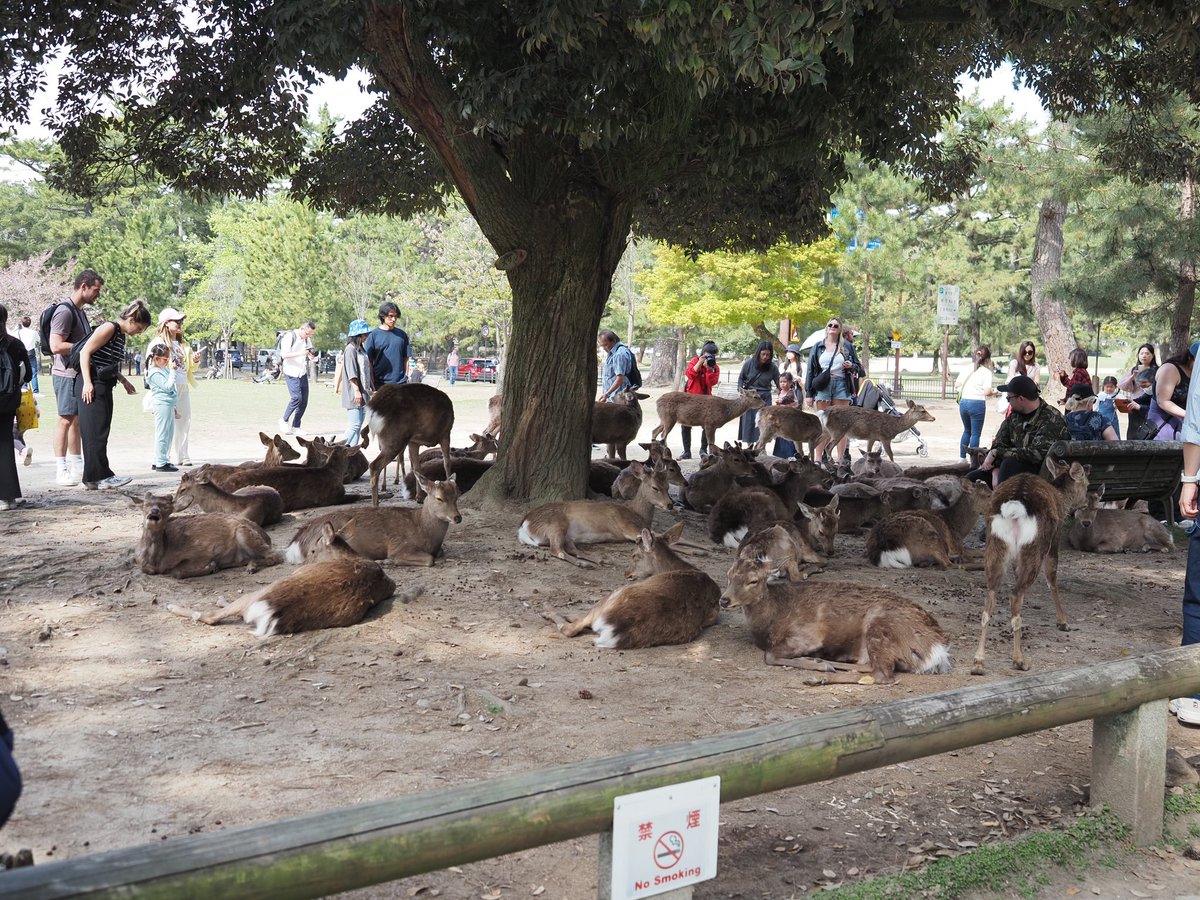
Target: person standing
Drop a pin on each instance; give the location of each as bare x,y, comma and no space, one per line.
759,374
295,350
1079,373
618,365
1024,363
452,365
183,362
829,380
100,361
164,390
1024,437
1168,405
1107,404
701,376
1187,709
358,382
789,395
69,325
387,348
974,386
1140,385
15,371
29,338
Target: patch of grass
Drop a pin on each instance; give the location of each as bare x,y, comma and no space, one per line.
1018,864
1185,803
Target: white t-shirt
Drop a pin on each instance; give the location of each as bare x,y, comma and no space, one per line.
974,383
294,366
29,337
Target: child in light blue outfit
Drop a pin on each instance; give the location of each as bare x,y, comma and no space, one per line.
164,394
1107,406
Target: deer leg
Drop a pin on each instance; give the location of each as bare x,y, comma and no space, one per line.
568,552
1050,568
446,456
566,627
830,672
379,464
410,557
994,567
1027,570
887,446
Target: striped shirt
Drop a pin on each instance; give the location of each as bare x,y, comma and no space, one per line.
107,359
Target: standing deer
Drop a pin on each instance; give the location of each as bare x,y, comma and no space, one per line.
870,425
1024,521
670,604
407,415
616,424
706,410
790,423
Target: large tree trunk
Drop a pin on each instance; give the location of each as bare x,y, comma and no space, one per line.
663,370
1057,336
1185,300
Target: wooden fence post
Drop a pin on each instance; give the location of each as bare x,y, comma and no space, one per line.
1129,765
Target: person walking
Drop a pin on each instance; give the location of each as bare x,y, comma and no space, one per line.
68,326
1187,709
387,348
295,350
974,386
15,372
619,366
30,339
452,365
759,374
164,393
100,361
183,363
358,382
701,376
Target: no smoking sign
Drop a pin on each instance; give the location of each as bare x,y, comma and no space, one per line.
665,838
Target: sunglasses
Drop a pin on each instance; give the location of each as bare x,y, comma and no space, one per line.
833,325
1027,353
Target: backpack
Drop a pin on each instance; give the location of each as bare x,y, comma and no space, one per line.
10,378
633,378
44,322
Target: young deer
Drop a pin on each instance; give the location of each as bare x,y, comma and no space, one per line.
670,604
200,544
495,411
872,425
786,546
335,588
316,452
710,483
407,536
562,524
258,503
616,424
299,486
407,415
848,633
871,464
790,423
706,410
1100,530
1024,521
624,486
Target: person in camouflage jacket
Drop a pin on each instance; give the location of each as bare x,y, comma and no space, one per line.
1024,439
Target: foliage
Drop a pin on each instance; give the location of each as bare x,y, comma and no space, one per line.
28,286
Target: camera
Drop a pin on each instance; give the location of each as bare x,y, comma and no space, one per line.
710,359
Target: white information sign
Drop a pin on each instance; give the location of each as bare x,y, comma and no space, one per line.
947,304
665,838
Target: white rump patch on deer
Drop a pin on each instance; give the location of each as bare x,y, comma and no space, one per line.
895,559
734,537
606,637
525,537
262,617
294,554
1014,525
937,663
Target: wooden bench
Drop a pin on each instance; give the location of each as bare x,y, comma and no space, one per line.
1129,470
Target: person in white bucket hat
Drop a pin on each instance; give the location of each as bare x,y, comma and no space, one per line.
358,381
183,363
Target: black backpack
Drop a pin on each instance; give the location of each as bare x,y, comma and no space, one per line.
44,322
633,378
10,377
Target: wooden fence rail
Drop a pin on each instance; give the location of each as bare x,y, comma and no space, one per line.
372,843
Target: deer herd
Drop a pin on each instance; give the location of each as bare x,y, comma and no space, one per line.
777,518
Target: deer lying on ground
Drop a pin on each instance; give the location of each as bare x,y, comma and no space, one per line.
316,453
406,536
871,464
907,493
278,451
1100,530
782,544
842,632
563,524
854,512
872,425
921,473
407,415
200,544
671,603
624,486
257,503
791,423
495,410
483,446
334,588
602,475
710,483
1024,521
300,487
706,410
463,469
617,423
913,538
743,510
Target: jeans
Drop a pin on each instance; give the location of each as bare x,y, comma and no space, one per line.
452,373
298,391
33,367
354,423
971,412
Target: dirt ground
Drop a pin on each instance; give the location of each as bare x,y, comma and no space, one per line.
134,725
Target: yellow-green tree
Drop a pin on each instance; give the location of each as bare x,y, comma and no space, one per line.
723,288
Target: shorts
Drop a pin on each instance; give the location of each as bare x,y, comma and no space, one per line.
64,393
837,390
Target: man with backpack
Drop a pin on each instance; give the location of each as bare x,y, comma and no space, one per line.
63,325
620,368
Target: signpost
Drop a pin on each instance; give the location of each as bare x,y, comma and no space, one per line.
947,315
896,373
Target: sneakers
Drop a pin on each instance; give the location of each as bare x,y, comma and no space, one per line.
285,427
1187,709
114,481
684,455
298,431
67,477
8,504
165,467
89,485
27,456
185,462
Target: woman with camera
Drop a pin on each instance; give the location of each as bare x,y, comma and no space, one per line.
701,377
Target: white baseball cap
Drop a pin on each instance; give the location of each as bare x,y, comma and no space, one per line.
170,314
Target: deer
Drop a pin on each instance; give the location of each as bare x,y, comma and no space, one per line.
743,510
465,471
624,486
1099,530
872,425
495,412
257,503
854,511
200,544
843,633
562,524
1024,520
790,423
299,486
913,538
482,446
335,588
315,454
617,423
406,415
709,483
405,536
670,603
706,410
871,464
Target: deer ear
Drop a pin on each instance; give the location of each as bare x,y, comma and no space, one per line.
266,441
645,539
1100,491
673,533
833,504
805,510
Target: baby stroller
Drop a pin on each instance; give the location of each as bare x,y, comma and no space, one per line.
872,395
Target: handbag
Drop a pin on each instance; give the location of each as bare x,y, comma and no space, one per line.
27,412
821,380
1146,430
